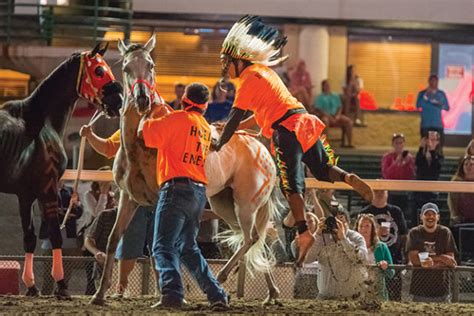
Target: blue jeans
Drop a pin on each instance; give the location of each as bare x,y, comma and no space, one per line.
179,208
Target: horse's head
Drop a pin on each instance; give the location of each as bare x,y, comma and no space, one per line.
96,82
139,73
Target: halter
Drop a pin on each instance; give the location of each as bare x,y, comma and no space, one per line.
89,85
151,88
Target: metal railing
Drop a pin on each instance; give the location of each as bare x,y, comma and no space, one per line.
408,282
34,21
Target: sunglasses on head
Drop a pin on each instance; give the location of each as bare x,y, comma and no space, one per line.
397,135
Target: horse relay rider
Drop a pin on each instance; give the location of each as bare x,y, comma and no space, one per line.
248,51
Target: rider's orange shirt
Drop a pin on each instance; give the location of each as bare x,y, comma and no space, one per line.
182,139
261,91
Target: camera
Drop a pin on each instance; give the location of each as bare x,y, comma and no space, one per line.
404,153
330,224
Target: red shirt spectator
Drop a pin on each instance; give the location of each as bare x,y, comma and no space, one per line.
398,164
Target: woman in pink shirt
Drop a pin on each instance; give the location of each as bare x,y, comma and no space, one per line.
399,164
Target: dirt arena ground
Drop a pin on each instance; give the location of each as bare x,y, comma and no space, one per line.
18,305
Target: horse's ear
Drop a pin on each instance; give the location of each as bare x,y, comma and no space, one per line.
151,43
122,47
103,50
95,50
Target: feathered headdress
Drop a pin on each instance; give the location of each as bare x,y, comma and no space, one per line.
250,39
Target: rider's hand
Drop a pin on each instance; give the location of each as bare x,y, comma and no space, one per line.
85,131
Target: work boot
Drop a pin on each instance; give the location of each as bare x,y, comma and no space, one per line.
359,186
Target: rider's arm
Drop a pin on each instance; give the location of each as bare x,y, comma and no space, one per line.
230,127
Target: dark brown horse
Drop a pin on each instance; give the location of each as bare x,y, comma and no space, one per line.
32,156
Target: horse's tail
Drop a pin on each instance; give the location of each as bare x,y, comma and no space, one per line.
259,257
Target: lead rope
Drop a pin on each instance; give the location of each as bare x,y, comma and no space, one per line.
80,164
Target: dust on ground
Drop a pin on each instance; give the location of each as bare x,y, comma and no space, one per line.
141,306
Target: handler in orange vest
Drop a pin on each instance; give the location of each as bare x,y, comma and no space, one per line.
183,139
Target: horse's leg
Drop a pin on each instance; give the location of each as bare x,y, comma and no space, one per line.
48,202
126,210
273,291
246,220
29,243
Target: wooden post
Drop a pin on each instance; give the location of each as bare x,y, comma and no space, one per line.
241,279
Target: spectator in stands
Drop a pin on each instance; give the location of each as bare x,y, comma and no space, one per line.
378,253
392,230
342,254
179,92
461,205
300,84
98,235
352,90
69,236
429,160
432,101
328,107
461,208
94,202
219,108
437,243
399,164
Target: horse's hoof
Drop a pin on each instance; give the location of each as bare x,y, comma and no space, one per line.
271,301
61,292
32,291
96,300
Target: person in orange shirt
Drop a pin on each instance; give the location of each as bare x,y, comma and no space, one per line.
183,139
247,52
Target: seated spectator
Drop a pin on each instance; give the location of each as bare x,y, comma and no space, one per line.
219,108
435,244
94,202
393,232
378,253
429,160
461,209
399,164
69,236
341,254
461,205
300,84
179,92
328,107
98,235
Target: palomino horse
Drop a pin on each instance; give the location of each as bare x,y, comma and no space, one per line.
32,156
241,176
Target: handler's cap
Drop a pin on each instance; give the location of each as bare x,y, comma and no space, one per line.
429,207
